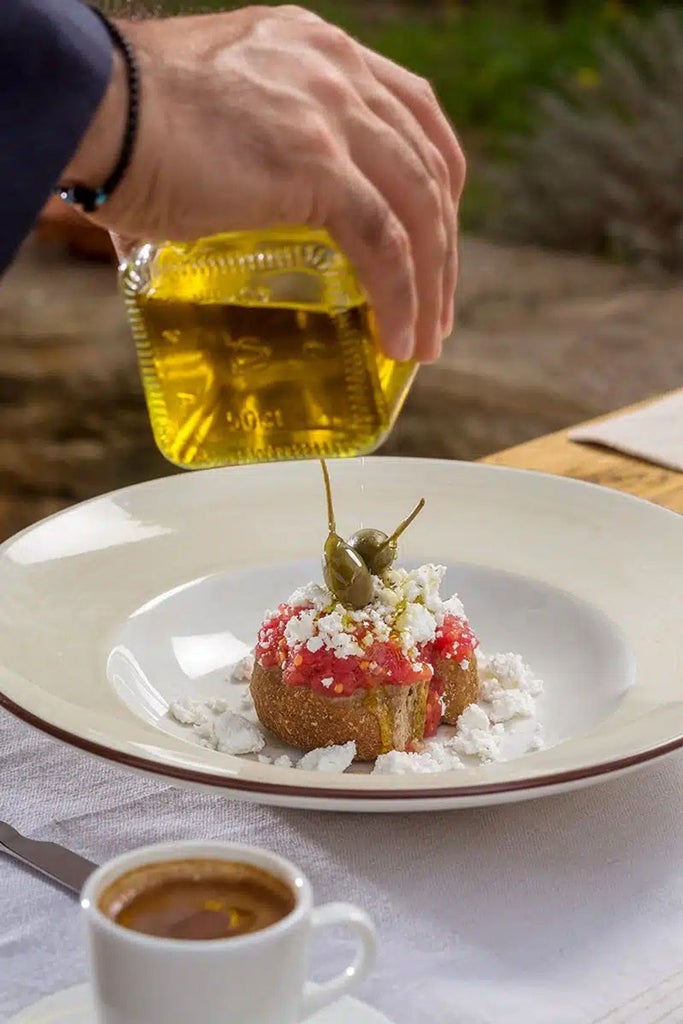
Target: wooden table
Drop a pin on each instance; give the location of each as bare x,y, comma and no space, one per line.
555,453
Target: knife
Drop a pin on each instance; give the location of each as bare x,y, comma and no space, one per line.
59,864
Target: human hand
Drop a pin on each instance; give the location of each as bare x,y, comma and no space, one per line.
267,116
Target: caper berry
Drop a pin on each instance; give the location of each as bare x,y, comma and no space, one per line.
346,574
377,550
374,549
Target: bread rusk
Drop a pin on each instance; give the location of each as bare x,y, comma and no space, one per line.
379,719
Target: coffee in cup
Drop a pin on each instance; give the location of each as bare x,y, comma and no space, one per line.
197,898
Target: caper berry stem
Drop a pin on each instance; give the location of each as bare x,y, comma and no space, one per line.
402,527
328,494
346,574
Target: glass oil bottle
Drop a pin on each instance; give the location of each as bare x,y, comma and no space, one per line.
258,347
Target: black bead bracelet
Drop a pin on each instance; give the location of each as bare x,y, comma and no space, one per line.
90,199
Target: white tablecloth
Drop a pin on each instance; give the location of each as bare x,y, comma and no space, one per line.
548,912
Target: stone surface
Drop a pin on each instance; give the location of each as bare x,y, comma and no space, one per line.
544,341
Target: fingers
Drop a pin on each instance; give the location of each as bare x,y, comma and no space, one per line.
388,143
417,96
412,192
385,105
361,221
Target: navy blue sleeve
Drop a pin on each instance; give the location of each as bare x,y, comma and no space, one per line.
55,65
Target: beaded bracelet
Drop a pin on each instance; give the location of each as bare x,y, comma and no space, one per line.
90,199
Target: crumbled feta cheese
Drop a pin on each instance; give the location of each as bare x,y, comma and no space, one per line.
301,627
311,595
218,705
386,597
237,735
477,736
205,731
436,757
329,759
243,670
538,739
188,712
331,629
247,701
416,624
218,728
509,671
398,762
314,644
504,705
327,682
454,606
474,717
283,762
507,686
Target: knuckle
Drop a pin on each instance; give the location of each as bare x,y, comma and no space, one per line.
319,140
439,169
294,11
431,199
329,88
335,41
390,239
425,92
443,244
460,168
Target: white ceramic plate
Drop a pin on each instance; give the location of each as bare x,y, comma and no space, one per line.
115,607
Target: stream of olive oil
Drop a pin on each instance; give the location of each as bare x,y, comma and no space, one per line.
361,509
249,383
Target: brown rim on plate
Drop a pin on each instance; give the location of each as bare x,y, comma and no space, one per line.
337,795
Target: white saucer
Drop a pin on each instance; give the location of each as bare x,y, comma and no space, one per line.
74,1006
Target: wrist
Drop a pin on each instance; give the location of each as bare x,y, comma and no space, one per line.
100,147
132,208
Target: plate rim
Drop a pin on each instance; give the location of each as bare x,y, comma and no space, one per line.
172,479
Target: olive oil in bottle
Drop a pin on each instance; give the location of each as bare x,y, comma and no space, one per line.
257,347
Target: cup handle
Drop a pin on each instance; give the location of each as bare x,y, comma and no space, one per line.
318,996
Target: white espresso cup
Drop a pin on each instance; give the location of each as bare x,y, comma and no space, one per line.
255,978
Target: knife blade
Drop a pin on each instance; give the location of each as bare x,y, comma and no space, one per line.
64,866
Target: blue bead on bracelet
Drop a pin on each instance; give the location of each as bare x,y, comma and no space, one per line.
88,199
